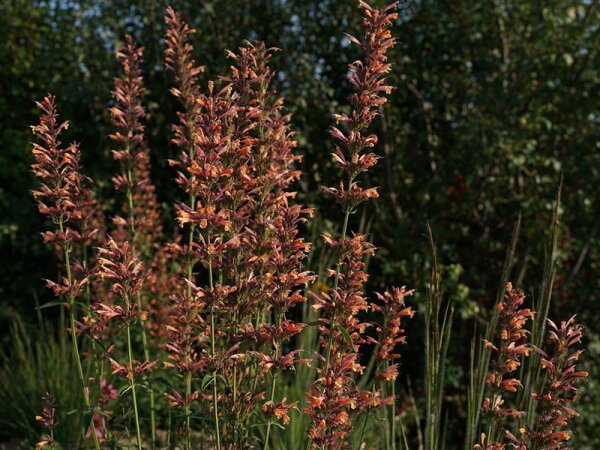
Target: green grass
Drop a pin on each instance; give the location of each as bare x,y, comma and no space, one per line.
37,361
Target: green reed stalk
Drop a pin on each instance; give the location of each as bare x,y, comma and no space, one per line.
364,427
438,330
535,378
393,413
386,418
479,368
272,399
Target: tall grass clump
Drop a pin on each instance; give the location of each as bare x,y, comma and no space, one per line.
214,332
39,361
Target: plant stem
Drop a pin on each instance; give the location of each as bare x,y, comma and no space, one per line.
266,446
169,429
278,318
71,300
362,433
132,384
188,376
139,305
335,285
393,417
187,381
387,422
212,349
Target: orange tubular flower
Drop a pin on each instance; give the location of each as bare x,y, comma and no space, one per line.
512,347
48,420
509,352
559,391
391,334
64,196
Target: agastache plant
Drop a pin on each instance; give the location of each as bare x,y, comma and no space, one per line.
183,331
62,197
143,224
48,420
559,391
508,353
142,227
333,400
125,272
237,175
271,282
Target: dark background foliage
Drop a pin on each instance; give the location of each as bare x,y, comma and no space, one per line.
494,101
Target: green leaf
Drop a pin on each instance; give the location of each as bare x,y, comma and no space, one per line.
124,389
206,381
347,337
51,304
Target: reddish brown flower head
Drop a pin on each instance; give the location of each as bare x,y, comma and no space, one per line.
368,78
341,308
66,198
48,420
351,198
142,206
510,349
48,416
61,192
120,265
487,444
178,57
394,311
126,115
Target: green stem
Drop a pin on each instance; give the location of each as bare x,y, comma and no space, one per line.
278,318
169,429
335,285
393,418
186,410
139,306
273,386
188,376
362,433
212,349
71,300
387,422
132,384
